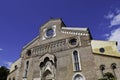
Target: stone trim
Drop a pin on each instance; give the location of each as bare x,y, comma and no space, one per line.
78,73
74,33
49,47
52,47
73,28
30,42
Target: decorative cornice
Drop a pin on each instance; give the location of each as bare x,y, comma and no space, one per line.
74,28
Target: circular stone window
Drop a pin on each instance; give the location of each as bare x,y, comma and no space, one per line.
73,41
102,50
49,32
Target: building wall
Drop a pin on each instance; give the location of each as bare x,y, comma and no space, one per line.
58,51
107,56
107,61
108,48
13,75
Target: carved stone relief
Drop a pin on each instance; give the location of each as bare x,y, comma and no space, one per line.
47,67
50,47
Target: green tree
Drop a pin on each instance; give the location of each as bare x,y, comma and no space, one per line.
3,73
109,76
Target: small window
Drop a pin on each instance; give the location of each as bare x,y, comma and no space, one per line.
73,41
102,50
29,53
27,64
26,69
76,61
16,67
49,32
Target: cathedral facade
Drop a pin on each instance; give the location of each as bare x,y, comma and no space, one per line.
66,53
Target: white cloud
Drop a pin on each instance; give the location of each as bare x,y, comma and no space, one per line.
113,17
109,16
115,36
115,21
117,10
106,35
8,64
1,49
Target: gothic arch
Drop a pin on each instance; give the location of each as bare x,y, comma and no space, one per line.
47,75
76,60
81,77
50,56
47,67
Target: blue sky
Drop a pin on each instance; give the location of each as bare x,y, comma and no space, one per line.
20,21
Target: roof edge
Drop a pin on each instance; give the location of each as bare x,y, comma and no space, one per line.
74,28
30,42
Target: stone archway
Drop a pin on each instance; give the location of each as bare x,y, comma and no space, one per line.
47,75
78,76
47,67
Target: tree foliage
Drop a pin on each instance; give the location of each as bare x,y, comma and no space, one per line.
108,76
3,73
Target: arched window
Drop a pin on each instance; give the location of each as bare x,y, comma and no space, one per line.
26,69
78,76
28,52
76,61
27,64
16,67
